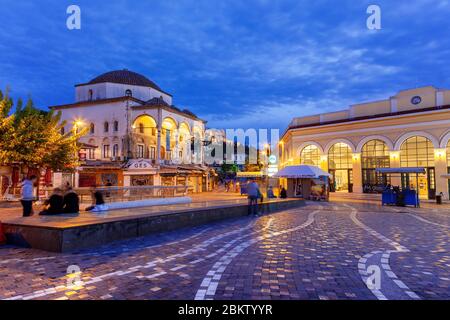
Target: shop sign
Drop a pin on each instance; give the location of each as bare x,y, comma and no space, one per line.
139,165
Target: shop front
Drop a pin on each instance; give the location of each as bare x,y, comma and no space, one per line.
306,182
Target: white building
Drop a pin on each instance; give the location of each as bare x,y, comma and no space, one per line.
136,136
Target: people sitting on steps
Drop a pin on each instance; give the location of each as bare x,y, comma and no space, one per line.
55,204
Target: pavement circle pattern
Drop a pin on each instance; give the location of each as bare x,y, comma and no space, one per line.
320,251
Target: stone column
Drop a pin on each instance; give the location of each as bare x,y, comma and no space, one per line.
324,163
158,137
357,173
394,156
440,165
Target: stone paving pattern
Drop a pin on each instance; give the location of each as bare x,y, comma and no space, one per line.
310,252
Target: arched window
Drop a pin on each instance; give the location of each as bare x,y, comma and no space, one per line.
310,155
128,93
115,150
417,152
340,157
90,95
340,165
92,128
374,154
116,126
106,126
448,156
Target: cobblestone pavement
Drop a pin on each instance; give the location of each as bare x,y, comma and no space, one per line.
320,251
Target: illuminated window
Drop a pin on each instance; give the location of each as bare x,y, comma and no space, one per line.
310,155
448,155
340,157
417,152
91,154
106,151
375,154
140,151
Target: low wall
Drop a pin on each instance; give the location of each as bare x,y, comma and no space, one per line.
60,239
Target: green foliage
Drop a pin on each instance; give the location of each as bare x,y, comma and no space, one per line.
33,138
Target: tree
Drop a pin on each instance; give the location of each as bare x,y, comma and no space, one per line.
33,138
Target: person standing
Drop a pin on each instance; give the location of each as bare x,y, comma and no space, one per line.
252,193
27,194
283,193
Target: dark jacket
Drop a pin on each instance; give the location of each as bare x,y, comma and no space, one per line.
98,196
283,194
71,203
55,205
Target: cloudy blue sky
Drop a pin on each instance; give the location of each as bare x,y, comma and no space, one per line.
252,63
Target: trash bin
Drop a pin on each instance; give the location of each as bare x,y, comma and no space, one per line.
439,199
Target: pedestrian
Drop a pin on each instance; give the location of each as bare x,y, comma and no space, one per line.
283,193
71,201
252,193
27,193
54,204
270,194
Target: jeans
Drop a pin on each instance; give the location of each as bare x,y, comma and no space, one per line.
27,208
253,205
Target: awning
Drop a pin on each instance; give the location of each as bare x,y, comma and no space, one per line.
400,170
257,174
301,172
446,176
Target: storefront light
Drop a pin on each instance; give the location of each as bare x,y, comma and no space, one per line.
356,156
440,153
395,155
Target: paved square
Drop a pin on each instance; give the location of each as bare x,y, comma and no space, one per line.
321,251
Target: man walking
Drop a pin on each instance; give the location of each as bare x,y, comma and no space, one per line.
28,195
253,192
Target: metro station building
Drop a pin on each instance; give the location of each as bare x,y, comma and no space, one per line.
408,130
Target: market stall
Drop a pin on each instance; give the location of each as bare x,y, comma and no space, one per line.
304,181
404,195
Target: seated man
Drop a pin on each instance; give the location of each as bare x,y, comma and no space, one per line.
54,204
71,201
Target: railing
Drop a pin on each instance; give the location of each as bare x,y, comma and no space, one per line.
125,194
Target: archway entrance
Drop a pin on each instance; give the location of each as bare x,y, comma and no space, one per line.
418,152
340,167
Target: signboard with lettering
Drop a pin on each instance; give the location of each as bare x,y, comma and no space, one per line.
139,165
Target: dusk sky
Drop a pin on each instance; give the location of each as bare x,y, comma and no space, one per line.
234,63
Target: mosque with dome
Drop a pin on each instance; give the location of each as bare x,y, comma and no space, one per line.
135,135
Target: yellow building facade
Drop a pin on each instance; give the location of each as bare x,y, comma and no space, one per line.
408,130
